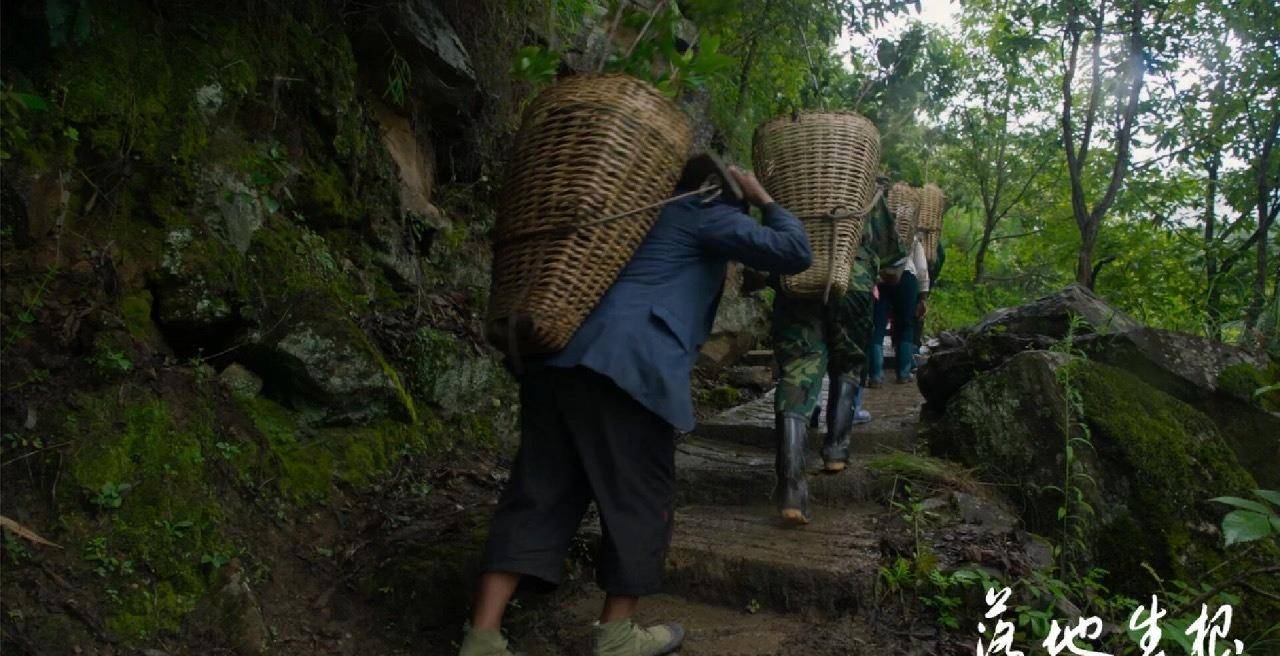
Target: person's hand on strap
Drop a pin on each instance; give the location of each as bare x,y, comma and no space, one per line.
752,191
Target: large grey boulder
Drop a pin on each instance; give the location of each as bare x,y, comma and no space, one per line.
1215,378
325,367
1186,366
741,320
1146,476
1050,316
196,302
1005,332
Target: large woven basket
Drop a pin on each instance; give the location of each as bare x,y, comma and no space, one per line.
590,147
932,205
819,164
904,206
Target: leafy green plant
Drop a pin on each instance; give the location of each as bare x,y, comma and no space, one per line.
26,313
110,495
15,549
1076,435
1251,520
943,596
399,79
104,563
895,578
175,530
227,450
111,361
913,512
1044,592
215,561
14,106
20,441
535,65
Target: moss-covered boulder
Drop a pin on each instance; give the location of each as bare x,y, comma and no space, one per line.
1145,478
1221,380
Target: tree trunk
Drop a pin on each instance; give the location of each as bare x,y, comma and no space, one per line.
1084,258
744,75
1266,216
1213,300
1259,300
1088,220
980,259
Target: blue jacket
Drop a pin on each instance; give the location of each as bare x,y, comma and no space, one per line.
645,333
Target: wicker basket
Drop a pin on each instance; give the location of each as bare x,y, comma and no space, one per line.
904,206
819,164
590,147
930,225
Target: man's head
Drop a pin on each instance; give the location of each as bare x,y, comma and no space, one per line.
704,169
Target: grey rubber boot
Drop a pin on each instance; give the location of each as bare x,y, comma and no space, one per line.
792,491
625,638
840,417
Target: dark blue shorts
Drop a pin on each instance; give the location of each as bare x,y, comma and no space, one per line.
583,439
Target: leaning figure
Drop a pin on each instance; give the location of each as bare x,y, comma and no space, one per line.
598,418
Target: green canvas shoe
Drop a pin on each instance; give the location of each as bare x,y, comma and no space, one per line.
485,643
624,638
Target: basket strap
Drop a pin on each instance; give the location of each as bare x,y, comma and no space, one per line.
513,343
840,214
573,226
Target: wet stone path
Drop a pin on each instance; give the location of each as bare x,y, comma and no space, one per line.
741,582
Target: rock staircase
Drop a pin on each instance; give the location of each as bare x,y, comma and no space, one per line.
741,582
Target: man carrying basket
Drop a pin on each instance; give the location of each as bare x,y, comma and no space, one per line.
811,340
598,419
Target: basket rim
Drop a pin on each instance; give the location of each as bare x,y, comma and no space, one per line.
794,117
648,87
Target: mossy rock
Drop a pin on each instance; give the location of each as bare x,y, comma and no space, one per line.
1220,380
1156,462
143,477
1256,385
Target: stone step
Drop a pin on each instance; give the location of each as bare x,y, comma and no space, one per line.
758,358
743,556
721,473
894,408
710,630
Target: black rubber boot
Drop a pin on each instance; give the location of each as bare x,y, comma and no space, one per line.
840,415
792,491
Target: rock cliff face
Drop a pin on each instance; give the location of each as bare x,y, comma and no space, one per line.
245,248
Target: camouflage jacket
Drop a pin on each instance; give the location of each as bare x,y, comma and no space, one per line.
880,248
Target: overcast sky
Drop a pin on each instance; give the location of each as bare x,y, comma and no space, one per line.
941,13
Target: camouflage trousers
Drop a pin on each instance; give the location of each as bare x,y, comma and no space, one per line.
812,340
